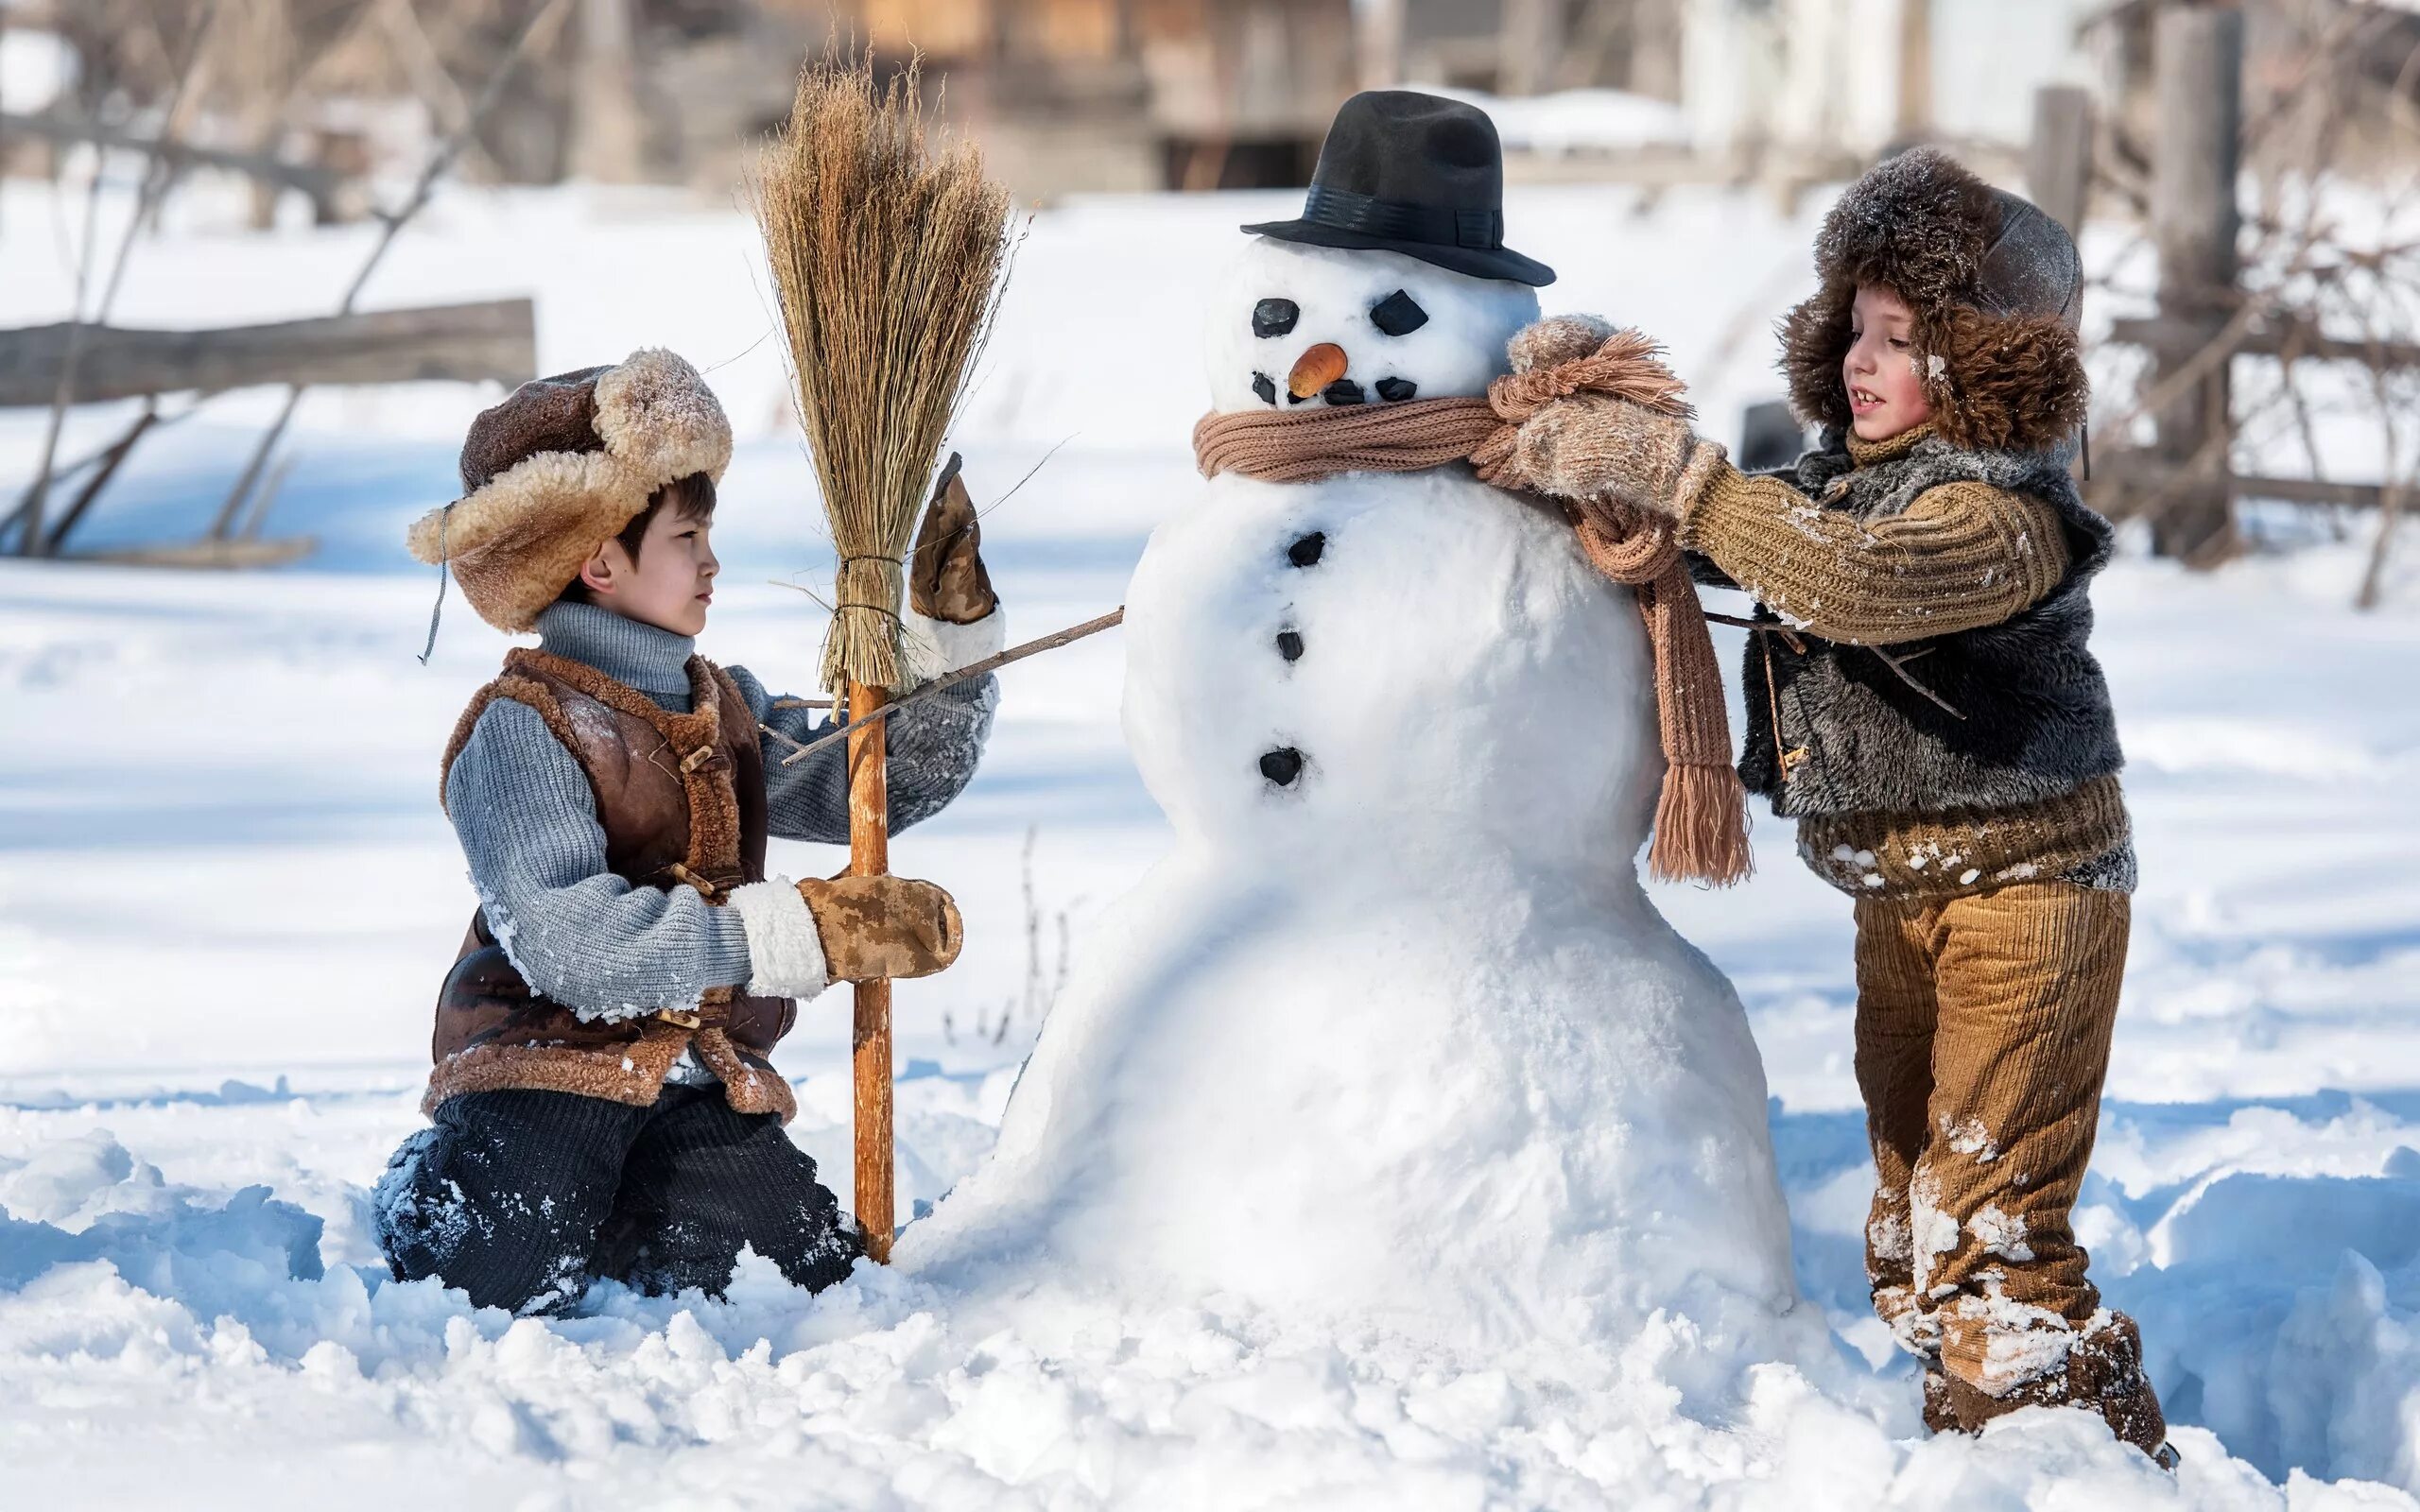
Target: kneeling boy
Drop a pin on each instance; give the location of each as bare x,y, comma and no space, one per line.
602,1101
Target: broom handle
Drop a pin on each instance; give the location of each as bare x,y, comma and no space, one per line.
870,1039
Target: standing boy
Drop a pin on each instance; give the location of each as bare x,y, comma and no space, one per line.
1925,705
602,1103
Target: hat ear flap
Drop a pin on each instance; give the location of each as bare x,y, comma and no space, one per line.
2010,383
515,543
1814,341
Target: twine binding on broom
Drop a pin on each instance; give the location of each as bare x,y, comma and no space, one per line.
1702,814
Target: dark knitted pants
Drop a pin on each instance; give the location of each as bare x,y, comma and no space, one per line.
521,1198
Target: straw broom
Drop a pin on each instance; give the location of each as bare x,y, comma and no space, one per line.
889,248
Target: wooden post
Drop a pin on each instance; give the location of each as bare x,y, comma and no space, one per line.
1381,39
870,1041
1529,47
1658,35
2198,81
607,144
1915,70
2058,161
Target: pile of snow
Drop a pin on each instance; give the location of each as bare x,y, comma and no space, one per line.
188,1342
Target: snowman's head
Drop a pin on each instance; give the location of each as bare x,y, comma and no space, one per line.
1296,326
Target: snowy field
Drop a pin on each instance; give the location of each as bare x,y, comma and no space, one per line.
227,896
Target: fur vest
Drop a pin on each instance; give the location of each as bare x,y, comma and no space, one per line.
2033,717
682,801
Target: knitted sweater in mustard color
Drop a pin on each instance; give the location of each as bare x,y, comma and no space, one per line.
1960,557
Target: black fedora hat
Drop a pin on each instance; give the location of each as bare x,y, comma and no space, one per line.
1403,172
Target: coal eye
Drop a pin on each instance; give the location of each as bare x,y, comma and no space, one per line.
1398,315
1274,317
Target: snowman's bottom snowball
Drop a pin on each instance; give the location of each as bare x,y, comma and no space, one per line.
1477,1118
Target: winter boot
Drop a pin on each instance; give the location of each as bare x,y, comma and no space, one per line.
2102,1373
1941,1413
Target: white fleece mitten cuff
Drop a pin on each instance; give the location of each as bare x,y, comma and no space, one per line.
933,648
784,951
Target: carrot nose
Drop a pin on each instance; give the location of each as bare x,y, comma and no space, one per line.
1315,370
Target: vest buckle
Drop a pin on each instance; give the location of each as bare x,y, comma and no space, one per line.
679,1018
698,758
705,885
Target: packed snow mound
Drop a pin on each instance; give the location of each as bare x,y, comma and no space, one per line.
1394,1036
891,1391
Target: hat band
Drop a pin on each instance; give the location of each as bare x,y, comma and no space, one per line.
1401,220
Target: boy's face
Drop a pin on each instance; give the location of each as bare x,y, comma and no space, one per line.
1885,387
670,585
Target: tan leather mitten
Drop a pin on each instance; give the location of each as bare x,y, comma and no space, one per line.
883,926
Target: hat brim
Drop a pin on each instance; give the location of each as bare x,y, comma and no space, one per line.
1499,262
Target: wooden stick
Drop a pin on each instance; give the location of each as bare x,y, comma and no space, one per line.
155,184
1761,626
869,1038
1897,665
110,462
317,184
877,713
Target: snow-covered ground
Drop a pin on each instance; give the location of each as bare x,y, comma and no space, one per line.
226,895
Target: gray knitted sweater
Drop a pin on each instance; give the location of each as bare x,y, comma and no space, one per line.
528,822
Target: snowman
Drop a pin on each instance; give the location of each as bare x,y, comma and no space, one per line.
1393,1036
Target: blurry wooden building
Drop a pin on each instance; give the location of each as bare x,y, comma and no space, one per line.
1071,95
1066,95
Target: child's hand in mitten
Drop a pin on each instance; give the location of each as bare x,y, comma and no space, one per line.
1600,418
803,937
883,926
1595,446
947,579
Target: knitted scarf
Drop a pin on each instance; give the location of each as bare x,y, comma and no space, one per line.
1701,816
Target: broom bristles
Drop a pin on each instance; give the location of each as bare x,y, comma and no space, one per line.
887,248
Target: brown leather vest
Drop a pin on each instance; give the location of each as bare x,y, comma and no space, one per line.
680,799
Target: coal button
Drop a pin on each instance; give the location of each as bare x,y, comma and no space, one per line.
1289,644
1281,766
1305,552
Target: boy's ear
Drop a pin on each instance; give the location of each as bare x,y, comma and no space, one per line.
600,573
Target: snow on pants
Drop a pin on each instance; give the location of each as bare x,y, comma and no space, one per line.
520,1197
1983,1037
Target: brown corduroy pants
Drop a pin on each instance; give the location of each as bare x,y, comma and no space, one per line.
1983,1038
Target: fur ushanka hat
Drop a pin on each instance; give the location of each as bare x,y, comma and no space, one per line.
561,464
1992,283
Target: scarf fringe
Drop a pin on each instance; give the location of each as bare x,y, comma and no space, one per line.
1702,828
